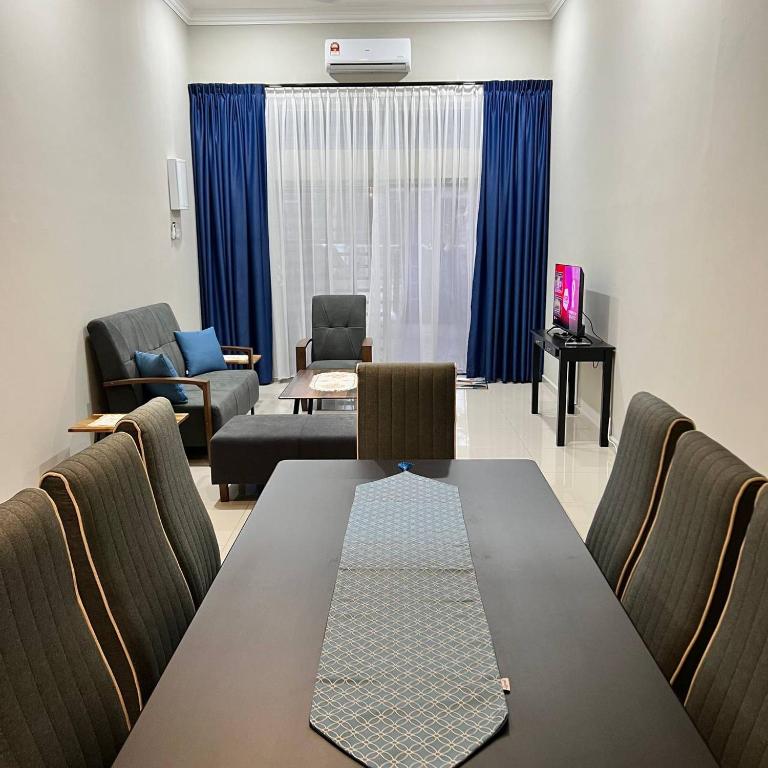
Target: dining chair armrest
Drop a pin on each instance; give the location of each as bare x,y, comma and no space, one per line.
301,353
367,350
202,384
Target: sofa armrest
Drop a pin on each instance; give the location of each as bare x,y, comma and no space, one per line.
247,351
301,353
204,386
367,350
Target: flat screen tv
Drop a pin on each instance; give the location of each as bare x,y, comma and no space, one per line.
569,299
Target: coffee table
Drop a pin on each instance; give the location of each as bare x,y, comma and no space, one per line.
300,389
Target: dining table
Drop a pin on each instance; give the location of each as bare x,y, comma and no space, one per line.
584,692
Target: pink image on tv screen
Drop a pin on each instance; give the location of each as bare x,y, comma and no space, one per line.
567,295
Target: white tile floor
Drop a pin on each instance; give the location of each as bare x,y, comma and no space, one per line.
492,423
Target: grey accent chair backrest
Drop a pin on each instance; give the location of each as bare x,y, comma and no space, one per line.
406,411
130,581
116,338
628,506
185,520
60,706
728,698
338,327
677,588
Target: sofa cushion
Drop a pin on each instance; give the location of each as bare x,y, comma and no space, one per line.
248,448
151,365
201,350
233,393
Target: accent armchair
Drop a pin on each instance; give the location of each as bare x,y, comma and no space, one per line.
338,334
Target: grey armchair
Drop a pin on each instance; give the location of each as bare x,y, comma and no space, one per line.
338,334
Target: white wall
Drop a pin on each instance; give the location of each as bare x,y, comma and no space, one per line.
660,190
92,101
293,53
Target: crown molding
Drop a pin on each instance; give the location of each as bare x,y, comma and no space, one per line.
180,10
329,16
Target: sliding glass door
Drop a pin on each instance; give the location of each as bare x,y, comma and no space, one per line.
375,191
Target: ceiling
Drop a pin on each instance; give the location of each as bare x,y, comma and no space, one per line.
319,11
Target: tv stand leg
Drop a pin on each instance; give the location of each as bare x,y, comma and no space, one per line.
605,403
572,386
562,392
535,378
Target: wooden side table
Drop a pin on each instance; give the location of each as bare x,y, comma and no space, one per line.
108,423
240,359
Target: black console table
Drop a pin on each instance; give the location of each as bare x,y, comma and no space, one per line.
569,356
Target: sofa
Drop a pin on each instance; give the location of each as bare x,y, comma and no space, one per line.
212,398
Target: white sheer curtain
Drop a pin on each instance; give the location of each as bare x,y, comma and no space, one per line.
375,191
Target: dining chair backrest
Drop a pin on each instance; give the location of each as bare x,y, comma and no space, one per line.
728,698
628,506
406,411
130,581
187,523
60,706
677,588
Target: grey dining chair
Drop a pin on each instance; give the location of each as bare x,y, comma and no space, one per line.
60,706
406,411
677,588
631,498
728,698
338,334
185,519
130,581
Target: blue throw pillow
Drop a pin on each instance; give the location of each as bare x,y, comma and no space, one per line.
201,350
159,365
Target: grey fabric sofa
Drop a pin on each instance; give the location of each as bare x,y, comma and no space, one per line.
213,398
338,334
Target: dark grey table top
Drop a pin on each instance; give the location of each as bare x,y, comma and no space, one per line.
585,691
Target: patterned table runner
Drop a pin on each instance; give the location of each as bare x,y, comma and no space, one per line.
408,676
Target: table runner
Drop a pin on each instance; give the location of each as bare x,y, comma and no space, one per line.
407,676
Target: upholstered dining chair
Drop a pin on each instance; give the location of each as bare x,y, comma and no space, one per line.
677,588
628,506
728,698
338,334
406,411
132,587
60,706
185,520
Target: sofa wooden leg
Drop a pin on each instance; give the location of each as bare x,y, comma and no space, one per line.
224,492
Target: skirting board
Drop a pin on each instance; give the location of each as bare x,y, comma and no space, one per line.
585,410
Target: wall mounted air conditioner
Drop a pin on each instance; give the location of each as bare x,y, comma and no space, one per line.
346,56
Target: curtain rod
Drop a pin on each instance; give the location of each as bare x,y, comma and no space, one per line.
368,85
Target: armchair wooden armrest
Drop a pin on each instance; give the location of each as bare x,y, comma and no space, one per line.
367,350
203,385
248,351
301,353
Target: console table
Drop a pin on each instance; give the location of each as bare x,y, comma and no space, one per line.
569,356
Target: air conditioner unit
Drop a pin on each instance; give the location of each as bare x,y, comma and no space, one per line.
354,56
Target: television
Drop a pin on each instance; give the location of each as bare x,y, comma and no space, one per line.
568,303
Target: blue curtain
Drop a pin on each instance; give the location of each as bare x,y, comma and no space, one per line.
230,170
509,285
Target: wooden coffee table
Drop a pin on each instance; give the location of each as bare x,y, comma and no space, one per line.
300,389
